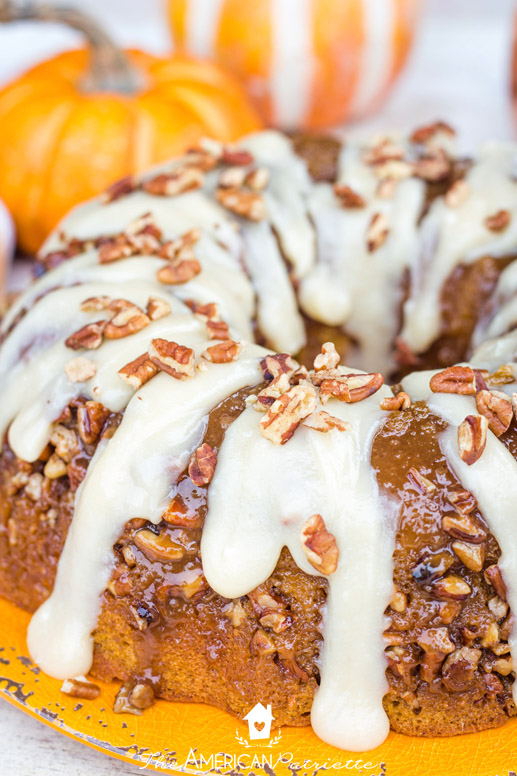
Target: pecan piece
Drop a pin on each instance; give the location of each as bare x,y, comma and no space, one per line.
80,369
401,401
176,360
223,352
89,336
329,358
141,696
462,500
498,222
96,303
202,464
319,545
472,435
494,577
261,644
471,555
322,421
433,167
158,546
424,134
157,308
181,180
348,198
257,179
497,409
179,272
80,688
55,467
351,388
464,527
451,588
280,363
218,330
207,312
454,379
248,204
459,668
286,413
377,232
126,322
236,156
115,249
139,371
423,484
91,418
120,188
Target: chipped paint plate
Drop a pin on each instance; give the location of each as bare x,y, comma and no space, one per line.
195,738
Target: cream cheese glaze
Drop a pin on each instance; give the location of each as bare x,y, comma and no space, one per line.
261,494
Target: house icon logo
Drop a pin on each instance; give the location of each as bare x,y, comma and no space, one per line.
259,721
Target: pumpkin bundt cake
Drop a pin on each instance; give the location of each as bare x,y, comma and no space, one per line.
190,510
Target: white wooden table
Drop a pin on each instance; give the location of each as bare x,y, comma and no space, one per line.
458,72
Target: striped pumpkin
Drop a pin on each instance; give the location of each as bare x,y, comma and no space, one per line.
306,63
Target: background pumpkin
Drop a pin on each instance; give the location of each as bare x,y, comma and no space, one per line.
76,123
306,63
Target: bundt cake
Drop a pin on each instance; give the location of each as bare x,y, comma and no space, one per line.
190,510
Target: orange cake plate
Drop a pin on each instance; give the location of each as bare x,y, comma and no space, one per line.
194,738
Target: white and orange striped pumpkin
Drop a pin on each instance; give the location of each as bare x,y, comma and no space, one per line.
307,63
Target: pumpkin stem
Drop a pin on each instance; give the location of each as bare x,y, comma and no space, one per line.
109,69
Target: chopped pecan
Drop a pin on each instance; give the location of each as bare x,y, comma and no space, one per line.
398,601
497,409
236,613
502,376
89,336
350,388
433,167
223,352
286,413
33,487
490,637
498,222
119,247
80,369
436,644
65,441
232,177
402,401
158,546
471,555
329,358
236,156
55,467
498,607
120,188
457,194
377,231
126,322
218,330
464,527
348,198
141,696
262,644
207,312
319,545
179,181
157,308
472,435
202,464
91,417
275,365
494,577
179,272
451,588
139,371
459,668
322,421
80,688
503,666
129,556
462,500
257,179
454,379
177,360
270,393
200,157
423,135
383,151
431,566
96,303
248,204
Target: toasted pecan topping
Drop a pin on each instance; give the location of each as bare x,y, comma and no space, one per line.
177,360
502,376
96,303
89,336
218,330
91,417
350,388
80,688
181,247
158,546
270,393
472,435
65,441
471,555
128,321
55,467
201,158
494,577
236,156
117,248
80,369
436,640
433,167
286,413
223,352
499,221
329,358
423,484
424,134
232,177
202,464
179,272
319,545
139,371
207,312
262,644
497,409
257,179
454,379
120,188
348,198
462,500
464,527
459,668
248,204
322,421
280,363
398,601
402,401
179,181
451,587
157,308
377,231
384,151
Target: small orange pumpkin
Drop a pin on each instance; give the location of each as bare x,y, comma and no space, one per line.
76,123
306,63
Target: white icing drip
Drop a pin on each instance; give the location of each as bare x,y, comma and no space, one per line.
491,354
273,492
492,480
130,476
293,65
351,286
453,236
501,314
202,25
376,53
